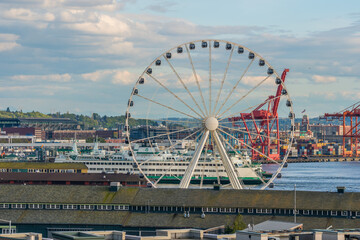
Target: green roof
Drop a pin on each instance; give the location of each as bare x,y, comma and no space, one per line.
37,165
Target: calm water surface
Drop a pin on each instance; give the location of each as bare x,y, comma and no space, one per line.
318,176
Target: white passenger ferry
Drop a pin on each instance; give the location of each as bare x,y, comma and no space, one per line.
166,167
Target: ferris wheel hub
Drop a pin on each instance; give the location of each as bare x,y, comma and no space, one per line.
211,123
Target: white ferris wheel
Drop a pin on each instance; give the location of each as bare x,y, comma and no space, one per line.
206,112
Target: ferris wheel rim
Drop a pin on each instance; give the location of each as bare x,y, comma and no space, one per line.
209,41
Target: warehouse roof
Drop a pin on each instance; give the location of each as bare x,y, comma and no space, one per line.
180,197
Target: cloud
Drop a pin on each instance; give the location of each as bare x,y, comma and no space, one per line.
115,76
28,15
124,78
254,80
100,24
323,79
8,42
97,75
51,77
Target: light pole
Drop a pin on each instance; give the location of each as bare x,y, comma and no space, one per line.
10,232
295,203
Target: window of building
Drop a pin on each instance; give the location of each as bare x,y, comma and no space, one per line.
52,206
86,207
104,207
123,207
210,209
333,213
18,206
358,214
250,210
69,206
306,212
344,213
4,205
240,210
264,211
35,206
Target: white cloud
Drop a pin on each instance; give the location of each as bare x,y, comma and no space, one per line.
254,80
97,75
101,24
323,79
28,15
51,77
118,77
124,78
8,42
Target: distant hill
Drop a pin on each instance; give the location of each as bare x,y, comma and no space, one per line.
95,121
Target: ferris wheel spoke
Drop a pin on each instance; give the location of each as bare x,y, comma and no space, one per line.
244,96
196,78
253,133
172,93
228,165
210,77
216,165
234,87
168,107
251,107
183,84
203,168
185,181
247,145
223,80
245,162
163,134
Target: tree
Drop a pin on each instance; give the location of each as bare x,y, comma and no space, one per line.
8,109
238,224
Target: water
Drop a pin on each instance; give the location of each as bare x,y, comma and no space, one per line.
318,176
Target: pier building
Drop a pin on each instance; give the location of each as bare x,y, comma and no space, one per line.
39,207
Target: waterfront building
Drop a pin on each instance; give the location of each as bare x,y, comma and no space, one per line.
32,207
70,178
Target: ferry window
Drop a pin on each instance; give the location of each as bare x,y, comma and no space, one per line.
333,213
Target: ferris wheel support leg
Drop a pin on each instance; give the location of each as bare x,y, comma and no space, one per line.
185,181
229,167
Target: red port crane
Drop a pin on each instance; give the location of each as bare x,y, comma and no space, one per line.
265,122
349,114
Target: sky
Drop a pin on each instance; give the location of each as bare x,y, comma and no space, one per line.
85,56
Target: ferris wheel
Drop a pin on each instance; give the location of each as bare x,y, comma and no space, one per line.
206,112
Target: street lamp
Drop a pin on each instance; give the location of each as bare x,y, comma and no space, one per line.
10,232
